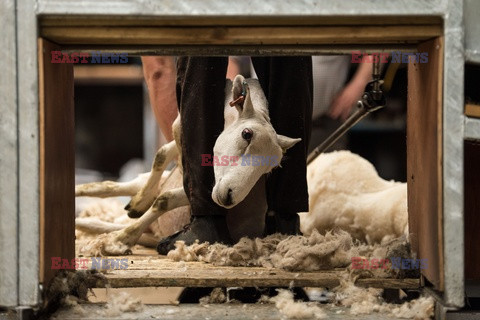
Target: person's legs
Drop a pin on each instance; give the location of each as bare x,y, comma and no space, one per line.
201,95
288,85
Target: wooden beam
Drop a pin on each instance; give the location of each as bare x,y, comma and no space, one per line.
245,35
57,160
424,159
156,271
472,110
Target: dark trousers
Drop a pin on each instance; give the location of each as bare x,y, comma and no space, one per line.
287,83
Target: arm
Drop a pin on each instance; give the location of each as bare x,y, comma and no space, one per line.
160,76
233,68
351,93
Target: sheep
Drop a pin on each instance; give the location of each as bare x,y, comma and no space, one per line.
240,189
345,189
346,192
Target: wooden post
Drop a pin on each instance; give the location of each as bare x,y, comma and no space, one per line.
57,162
424,159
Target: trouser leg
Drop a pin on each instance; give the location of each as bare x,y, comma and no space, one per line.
288,86
200,94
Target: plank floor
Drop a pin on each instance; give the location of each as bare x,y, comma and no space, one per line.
146,269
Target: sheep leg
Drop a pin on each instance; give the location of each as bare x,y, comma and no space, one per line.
97,226
111,188
119,242
144,198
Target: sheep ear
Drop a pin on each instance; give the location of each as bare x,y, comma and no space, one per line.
286,142
240,87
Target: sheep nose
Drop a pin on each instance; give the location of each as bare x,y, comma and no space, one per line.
228,200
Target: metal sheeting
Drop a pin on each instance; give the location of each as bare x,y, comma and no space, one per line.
8,157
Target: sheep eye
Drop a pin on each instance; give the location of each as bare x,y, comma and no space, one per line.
247,134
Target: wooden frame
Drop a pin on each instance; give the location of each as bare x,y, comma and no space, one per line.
424,159
425,123
57,160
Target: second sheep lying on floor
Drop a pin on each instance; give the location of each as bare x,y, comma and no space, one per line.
346,192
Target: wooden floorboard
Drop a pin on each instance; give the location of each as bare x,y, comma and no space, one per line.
146,270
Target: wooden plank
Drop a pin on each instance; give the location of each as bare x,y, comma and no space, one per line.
148,295
472,209
472,110
424,159
256,35
248,50
57,180
108,75
157,271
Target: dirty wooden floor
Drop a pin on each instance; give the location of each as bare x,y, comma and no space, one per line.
158,281
148,269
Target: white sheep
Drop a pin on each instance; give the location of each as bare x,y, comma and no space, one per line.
345,189
346,192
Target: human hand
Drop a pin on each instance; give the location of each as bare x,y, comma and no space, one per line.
344,102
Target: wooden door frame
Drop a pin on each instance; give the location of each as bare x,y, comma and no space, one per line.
425,197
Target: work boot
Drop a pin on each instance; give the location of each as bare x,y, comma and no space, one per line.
211,228
283,223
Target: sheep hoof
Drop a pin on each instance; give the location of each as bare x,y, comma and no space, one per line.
116,248
136,208
134,214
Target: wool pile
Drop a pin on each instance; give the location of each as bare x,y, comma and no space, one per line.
292,309
120,303
359,301
315,252
369,300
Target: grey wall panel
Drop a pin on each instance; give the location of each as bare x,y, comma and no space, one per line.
472,128
8,157
28,151
453,106
246,8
